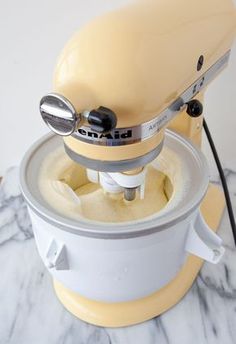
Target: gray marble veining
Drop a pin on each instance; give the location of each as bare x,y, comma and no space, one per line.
30,312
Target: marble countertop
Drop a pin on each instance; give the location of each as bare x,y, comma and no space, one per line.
30,312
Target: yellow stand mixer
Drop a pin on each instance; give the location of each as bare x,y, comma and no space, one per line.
119,83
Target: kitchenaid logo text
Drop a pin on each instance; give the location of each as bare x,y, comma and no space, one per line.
115,135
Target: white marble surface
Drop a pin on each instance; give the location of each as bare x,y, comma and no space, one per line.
30,312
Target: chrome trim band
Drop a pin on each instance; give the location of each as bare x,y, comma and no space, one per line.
114,166
127,136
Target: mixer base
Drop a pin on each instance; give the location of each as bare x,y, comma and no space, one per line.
134,312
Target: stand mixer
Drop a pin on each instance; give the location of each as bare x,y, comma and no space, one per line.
124,215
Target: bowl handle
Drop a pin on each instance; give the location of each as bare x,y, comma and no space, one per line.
203,242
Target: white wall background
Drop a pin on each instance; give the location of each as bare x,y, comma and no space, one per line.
32,33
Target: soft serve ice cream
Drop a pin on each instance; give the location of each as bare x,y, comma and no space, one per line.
66,188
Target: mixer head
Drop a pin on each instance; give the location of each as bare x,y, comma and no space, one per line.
126,75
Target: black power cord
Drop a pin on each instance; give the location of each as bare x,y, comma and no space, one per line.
223,180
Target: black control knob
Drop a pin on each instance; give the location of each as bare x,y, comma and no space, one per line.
102,120
194,108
